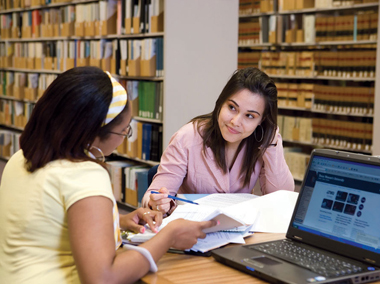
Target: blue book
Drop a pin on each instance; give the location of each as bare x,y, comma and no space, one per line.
142,183
146,138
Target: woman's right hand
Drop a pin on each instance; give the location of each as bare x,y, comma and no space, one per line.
160,202
184,234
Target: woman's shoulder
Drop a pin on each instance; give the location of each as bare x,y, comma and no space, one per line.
70,168
187,135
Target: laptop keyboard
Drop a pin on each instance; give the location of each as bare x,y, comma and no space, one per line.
320,263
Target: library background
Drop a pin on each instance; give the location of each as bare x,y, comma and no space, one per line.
175,56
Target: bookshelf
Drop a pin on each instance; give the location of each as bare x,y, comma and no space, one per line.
323,57
198,46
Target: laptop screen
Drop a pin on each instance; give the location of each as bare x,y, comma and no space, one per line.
341,201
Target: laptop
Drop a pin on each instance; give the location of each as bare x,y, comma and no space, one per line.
334,232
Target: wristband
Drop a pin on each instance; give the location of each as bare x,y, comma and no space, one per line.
145,253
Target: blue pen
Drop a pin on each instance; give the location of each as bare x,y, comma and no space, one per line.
175,197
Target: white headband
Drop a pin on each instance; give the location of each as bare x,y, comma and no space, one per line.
119,100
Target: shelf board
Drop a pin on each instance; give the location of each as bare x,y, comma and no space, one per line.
256,15
312,10
150,163
53,5
309,44
5,159
326,43
125,206
16,99
147,119
146,78
265,44
342,113
298,179
157,78
359,79
57,38
32,70
331,9
325,112
327,146
11,127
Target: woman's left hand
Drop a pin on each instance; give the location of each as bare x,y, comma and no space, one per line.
136,220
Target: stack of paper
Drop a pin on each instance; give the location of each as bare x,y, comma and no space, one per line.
239,216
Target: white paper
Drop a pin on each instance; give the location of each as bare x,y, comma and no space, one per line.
274,211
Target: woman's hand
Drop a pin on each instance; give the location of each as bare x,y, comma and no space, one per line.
136,220
160,202
184,234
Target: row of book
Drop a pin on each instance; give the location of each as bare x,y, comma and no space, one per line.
334,99
344,100
340,63
308,28
146,96
295,95
122,57
295,128
24,86
290,5
9,143
350,135
129,181
16,4
249,7
145,143
36,23
359,26
297,161
15,113
96,18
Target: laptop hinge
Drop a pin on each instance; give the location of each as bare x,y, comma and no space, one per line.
298,238
369,260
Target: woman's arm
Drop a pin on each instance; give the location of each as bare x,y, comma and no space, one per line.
169,177
275,174
92,241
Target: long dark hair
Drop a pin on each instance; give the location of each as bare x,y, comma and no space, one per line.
259,83
67,118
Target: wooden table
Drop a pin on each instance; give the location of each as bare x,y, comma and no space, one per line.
180,268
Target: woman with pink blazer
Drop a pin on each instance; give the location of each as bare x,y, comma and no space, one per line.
227,150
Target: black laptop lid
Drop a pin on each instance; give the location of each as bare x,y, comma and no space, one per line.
338,208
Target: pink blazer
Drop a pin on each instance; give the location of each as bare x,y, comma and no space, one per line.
186,168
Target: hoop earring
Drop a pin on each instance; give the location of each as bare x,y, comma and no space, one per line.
262,133
100,151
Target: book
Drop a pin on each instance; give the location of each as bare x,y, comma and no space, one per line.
146,141
116,170
142,183
154,144
131,184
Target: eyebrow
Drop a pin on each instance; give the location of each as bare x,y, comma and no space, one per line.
247,110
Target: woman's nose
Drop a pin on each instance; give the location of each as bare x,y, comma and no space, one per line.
235,120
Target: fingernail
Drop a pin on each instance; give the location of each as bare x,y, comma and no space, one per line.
142,230
218,223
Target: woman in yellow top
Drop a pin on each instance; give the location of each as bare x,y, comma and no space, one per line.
58,217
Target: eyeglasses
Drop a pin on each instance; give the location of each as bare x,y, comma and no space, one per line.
128,131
